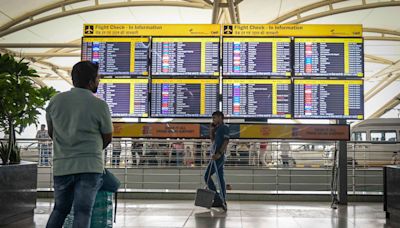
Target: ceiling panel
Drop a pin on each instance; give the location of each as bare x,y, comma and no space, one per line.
290,5
258,11
387,17
16,8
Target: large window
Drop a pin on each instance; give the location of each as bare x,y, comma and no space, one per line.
388,136
359,136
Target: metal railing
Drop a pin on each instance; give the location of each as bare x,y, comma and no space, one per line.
252,165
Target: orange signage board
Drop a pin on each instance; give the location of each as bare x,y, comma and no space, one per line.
289,131
265,131
321,132
237,131
156,130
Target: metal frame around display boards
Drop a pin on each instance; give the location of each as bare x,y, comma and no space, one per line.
336,132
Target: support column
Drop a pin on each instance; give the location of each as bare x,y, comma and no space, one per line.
342,169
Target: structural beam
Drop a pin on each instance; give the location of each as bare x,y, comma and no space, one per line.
99,6
389,69
44,9
233,12
381,85
384,38
40,45
383,32
39,82
215,12
51,55
386,107
54,67
62,50
377,59
342,169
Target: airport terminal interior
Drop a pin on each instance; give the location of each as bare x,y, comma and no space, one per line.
309,91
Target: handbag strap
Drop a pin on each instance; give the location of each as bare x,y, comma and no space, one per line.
115,207
209,171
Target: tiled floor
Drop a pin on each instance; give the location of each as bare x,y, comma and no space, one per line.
155,213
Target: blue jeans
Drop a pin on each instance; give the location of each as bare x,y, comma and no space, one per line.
210,183
80,189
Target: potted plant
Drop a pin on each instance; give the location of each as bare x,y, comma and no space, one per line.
20,102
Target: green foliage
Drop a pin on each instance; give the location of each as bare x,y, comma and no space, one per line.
14,156
20,98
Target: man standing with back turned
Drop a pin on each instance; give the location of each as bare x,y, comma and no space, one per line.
80,125
219,134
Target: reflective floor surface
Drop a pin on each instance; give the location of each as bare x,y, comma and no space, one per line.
246,214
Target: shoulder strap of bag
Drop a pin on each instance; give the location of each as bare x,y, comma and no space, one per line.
115,207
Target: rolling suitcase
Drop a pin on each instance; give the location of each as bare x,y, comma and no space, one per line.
204,196
102,215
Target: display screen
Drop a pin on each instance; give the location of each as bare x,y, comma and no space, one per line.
329,99
122,57
185,56
125,97
184,97
329,57
257,98
256,57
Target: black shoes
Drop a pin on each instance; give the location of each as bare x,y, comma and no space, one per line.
219,203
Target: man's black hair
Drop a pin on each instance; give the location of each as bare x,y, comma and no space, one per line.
218,113
84,72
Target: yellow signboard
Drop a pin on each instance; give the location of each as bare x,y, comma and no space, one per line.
151,30
305,30
254,30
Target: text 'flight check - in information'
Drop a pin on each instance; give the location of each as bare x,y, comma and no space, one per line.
329,57
256,57
126,98
257,98
185,57
121,57
184,97
329,99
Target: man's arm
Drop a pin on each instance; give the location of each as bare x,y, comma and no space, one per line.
106,127
106,139
223,147
49,122
49,127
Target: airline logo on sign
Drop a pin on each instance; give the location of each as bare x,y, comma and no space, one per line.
89,29
228,29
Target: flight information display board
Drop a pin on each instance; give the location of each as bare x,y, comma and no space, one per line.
329,99
122,57
256,57
185,57
126,98
329,57
257,98
184,97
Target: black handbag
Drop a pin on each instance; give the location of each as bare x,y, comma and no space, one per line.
111,184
